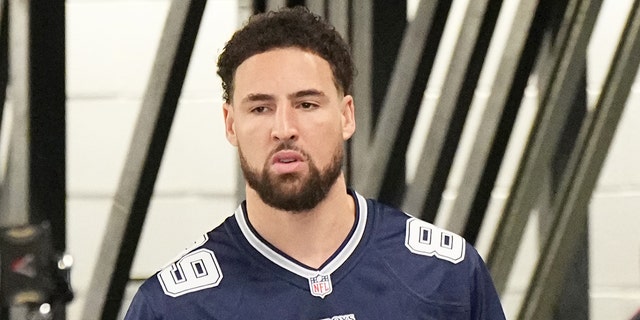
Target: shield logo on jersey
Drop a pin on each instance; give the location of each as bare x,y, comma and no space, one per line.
320,285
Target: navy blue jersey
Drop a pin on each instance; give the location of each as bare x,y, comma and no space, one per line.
391,266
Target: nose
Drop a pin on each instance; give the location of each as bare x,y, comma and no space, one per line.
285,126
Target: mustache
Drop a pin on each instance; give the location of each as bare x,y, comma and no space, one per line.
287,145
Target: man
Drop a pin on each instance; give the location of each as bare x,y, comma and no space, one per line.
303,245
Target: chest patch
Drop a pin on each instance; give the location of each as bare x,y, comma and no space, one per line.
320,285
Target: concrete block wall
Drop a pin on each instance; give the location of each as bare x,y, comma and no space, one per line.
110,49
614,220
615,241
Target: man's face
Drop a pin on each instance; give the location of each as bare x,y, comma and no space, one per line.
289,122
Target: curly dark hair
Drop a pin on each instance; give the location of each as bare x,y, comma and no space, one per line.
288,27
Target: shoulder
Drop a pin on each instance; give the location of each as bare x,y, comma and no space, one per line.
413,246
195,268
426,239
177,277
438,265
420,238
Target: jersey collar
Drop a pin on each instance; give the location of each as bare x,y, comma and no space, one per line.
284,262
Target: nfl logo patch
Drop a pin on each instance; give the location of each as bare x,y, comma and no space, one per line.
320,285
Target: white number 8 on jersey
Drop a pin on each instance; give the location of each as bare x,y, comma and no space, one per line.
426,239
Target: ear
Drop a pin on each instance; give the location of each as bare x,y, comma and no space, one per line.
229,124
348,117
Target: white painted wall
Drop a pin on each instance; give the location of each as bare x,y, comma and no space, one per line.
615,241
111,46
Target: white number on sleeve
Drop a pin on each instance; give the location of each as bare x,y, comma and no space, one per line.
426,239
195,271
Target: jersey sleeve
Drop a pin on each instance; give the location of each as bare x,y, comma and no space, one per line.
485,302
140,308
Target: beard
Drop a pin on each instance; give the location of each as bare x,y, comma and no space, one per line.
293,191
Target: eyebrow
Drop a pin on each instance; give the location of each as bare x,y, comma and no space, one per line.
258,97
268,97
306,93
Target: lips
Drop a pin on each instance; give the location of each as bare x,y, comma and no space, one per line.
287,161
287,156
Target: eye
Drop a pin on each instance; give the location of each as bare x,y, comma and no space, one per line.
308,105
259,109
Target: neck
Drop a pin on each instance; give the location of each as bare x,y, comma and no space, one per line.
310,237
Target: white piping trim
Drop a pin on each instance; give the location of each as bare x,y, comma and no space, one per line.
291,266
